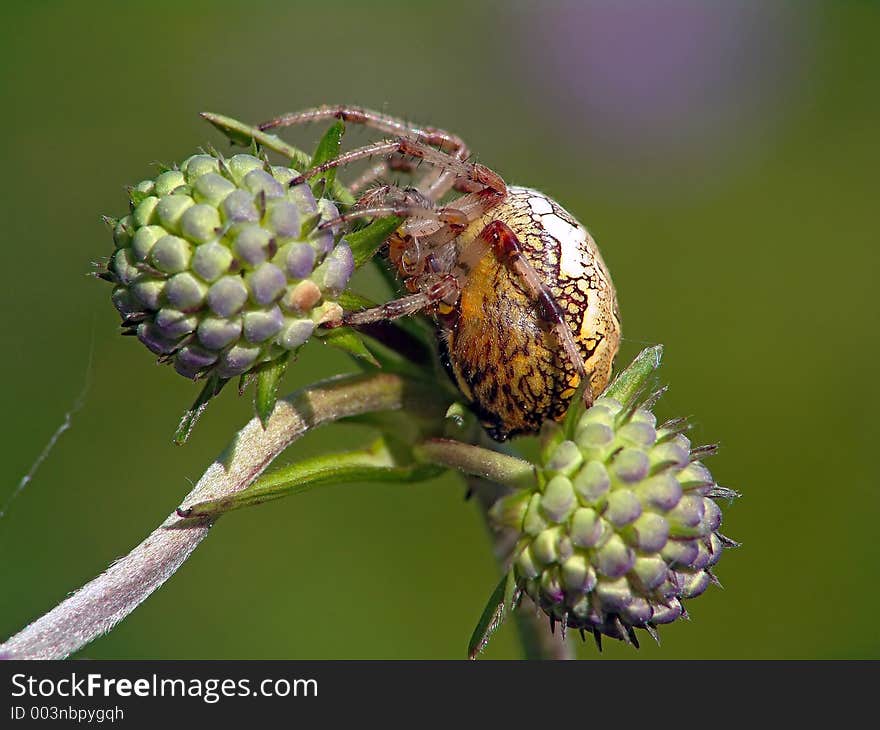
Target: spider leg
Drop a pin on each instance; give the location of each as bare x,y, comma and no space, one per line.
390,200
435,184
479,176
445,289
373,119
506,247
378,171
488,185
451,216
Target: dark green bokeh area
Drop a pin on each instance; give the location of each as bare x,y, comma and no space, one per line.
733,192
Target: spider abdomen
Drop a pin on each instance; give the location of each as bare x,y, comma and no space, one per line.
499,351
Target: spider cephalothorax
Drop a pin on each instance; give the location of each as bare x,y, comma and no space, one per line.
524,302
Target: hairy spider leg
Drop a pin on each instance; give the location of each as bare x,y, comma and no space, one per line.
380,170
369,118
506,247
390,200
435,184
445,289
478,176
439,225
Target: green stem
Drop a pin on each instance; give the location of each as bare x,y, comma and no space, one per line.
477,461
99,605
376,463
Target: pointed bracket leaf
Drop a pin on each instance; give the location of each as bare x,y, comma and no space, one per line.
267,387
365,242
327,149
212,387
635,379
497,609
347,340
373,464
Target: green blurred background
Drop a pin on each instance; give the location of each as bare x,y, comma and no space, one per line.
725,157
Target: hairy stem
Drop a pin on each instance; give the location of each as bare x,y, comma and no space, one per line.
476,461
99,605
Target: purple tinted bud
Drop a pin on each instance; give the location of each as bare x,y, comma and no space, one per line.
259,181
283,218
638,611
238,207
662,491
193,359
300,260
638,434
173,325
215,334
680,552
200,223
322,240
266,282
648,533
148,292
692,585
586,527
170,254
227,296
671,453
303,198
152,338
185,292
124,301
666,614
623,507
651,571
630,465
260,326
212,189
295,333
252,245
123,266
237,360
338,268
211,261
614,558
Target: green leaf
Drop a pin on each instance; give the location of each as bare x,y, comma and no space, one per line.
347,340
136,196
308,225
627,387
499,605
365,242
374,464
267,387
575,410
637,377
352,302
212,387
327,149
245,135
399,352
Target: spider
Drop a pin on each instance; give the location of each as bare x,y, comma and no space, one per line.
525,305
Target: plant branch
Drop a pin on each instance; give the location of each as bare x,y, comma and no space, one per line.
99,605
477,461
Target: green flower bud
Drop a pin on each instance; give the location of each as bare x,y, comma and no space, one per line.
621,526
211,269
